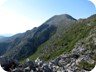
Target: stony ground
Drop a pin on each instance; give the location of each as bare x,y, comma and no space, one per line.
81,59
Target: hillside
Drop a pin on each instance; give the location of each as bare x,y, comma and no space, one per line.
61,39
64,39
1,37
25,44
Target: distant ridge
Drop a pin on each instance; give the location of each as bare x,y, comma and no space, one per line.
2,37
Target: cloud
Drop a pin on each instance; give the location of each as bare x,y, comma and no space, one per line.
94,2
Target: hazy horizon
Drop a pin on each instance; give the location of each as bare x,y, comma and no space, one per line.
8,35
18,16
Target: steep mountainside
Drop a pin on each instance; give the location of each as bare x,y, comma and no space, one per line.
64,39
25,44
62,42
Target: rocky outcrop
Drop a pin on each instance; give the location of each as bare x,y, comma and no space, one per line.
77,48
81,59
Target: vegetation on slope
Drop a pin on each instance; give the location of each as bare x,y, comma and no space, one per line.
77,31
86,66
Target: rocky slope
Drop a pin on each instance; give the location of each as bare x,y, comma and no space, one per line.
25,44
63,43
82,57
64,39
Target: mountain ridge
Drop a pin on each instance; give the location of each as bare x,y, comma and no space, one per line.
62,41
50,36
32,38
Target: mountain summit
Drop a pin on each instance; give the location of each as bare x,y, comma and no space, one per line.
59,18
66,42
25,44
56,35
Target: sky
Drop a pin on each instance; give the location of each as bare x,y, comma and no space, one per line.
17,16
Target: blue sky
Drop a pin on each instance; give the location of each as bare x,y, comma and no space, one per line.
27,14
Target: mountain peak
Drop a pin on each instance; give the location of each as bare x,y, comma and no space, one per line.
59,18
67,16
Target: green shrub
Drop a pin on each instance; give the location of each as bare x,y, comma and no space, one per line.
86,66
